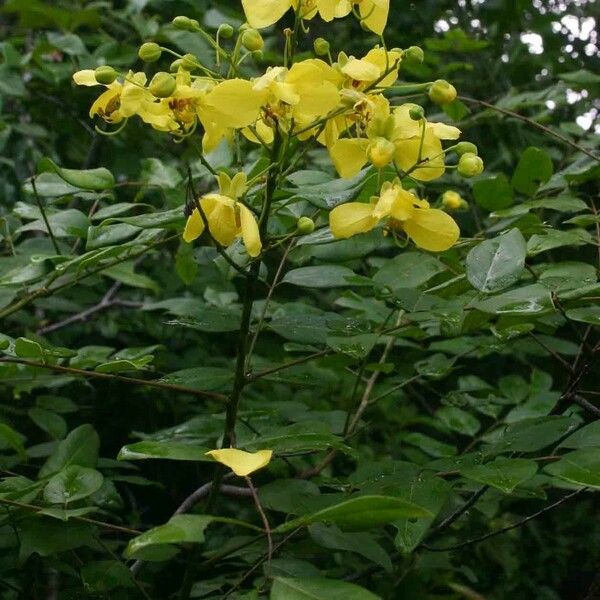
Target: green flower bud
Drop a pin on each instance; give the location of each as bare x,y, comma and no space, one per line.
189,62
252,40
258,54
194,25
321,47
470,165
305,225
182,22
416,112
176,65
464,147
441,92
381,152
162,85
414,54
149,52
105,74
225,31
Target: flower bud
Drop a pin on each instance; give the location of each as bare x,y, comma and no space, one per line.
176,65
321,46
194,25
441,92
182,22
252,40
105,74
464,147
416,112
305,225
470,165
189,62
258,54
225,31
381,152
414,54
453,200
162,85
149,52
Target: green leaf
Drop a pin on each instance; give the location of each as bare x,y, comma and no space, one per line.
534,168
180,529
12,439
48,537
408,270
529,300
458,420
71,484
48,421
586,437
360,513
504,474
498,263
325,276
80,447
494,193
104,576
554,238
85,179
585,314
581,467
559,204
163,450
200,378
317,588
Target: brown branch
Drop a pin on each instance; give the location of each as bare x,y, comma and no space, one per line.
260,374
265,521
111,376
531,122
492,534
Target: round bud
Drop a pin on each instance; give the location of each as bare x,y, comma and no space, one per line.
105,74
321,46
452,200
182,22
225,31
305,225
470,165
162,85
252,40
416,112
258,54
381,152
464,147
414,54
194,25
149,52
176,65
441,92
189,62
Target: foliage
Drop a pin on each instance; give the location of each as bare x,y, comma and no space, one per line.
412,417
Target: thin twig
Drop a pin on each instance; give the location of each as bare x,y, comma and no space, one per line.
293,363
487,536
44,216
265,521
111,376
531,122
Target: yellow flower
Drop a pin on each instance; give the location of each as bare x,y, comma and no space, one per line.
365,71
429,228
227,218
262,13
240,462
415,143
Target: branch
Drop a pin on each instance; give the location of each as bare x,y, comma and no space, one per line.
265,521
111,376
487,536
533,123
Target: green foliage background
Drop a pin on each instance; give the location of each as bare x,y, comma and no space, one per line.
480,363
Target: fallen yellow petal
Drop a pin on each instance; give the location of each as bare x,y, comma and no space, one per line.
240,462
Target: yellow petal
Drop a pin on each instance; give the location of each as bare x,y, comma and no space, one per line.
331,9
360,70
350,219
234,103
384,61
85,77
407,154
444,132
432,229
220,214
374,14
349,156
240,462
194,227
250,233
262,13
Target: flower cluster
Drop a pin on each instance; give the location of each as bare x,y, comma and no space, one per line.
344,104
